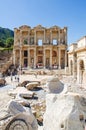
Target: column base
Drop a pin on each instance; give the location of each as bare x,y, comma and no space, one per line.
29,67
34,67
66,70
59,67
44,67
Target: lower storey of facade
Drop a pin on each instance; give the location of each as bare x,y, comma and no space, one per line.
40,57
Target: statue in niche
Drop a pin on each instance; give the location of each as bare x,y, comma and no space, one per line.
32,40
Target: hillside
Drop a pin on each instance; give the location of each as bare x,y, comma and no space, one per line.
5,33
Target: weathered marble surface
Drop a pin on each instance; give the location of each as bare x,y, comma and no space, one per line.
18,117
65,112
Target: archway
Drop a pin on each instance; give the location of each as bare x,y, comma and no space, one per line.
54,54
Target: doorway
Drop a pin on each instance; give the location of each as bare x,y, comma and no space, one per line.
25,62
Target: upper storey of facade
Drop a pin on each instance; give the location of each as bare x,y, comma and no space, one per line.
25,35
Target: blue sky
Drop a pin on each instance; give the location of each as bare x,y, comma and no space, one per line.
70,13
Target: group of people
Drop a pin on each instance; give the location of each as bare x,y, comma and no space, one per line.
16,78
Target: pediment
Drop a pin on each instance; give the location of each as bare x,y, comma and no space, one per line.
23,27
39,27
55,27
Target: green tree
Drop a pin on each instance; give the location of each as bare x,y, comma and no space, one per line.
9,42
2,43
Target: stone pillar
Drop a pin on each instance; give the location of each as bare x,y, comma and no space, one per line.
51,36
44,58
59,58
20,38
59,36
51,58
65,58
28,58
35,58
65,61
28,37
74,67
35,37
20,58
44,35
65,35
78,72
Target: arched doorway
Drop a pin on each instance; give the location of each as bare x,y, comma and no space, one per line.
71,67
81,71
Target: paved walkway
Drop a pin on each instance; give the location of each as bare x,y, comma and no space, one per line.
22,78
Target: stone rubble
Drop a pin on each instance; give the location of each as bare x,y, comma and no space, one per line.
66,110
18,117
63,103
21,92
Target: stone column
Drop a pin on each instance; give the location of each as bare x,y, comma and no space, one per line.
35,58
78,72
59,58
59,36
65,58
66,35
65,61
28,37
51,36
20,58
51,58
44,35
68,65
35,37
20,38
28,58
74,67
44,58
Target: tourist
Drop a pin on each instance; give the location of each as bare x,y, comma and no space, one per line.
15,78
18,79
11,78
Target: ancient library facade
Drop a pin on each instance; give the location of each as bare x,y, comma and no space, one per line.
40,47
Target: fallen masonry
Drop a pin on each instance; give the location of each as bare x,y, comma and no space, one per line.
65,112
65,107
17,117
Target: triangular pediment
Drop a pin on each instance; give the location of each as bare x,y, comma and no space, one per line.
55,27
39,27
23,27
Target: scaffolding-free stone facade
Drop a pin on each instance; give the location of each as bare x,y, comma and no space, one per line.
77,60
40,47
